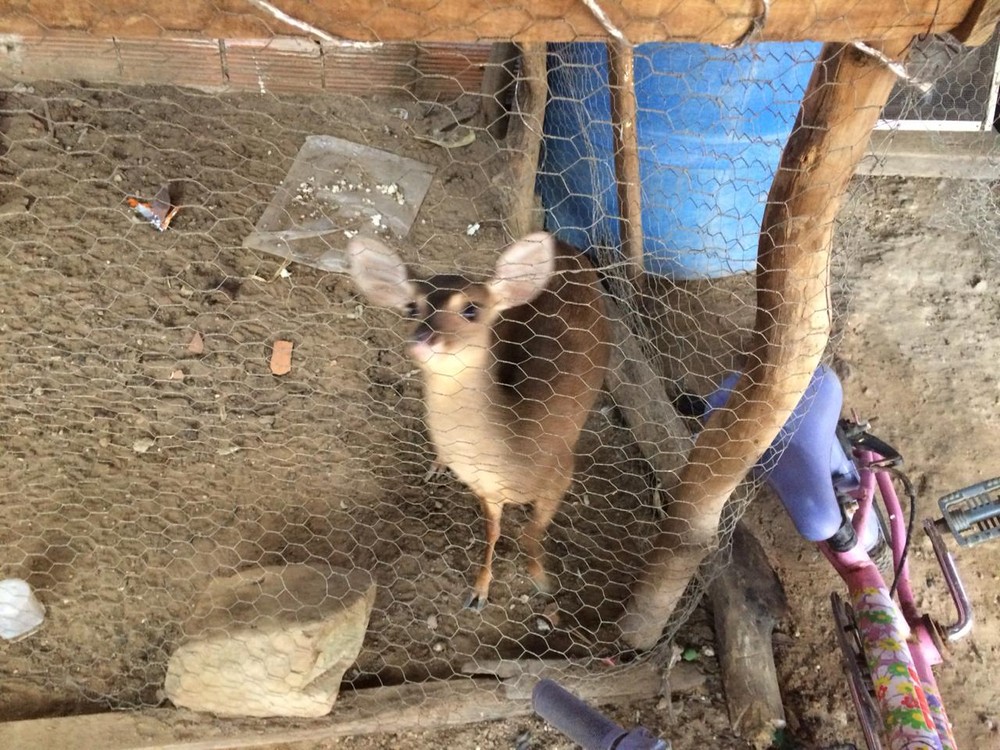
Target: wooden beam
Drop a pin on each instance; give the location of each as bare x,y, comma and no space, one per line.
845,96
524,143
716,21
979,24
624,123
498,78
389,709
384,710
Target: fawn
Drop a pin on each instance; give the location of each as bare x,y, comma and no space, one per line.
511,369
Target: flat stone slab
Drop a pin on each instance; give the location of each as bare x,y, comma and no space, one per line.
272,641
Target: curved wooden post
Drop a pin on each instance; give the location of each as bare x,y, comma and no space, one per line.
842,103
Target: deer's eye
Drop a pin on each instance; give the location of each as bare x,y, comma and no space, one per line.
411,310
470,312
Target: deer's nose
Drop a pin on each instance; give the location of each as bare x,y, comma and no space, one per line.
422,334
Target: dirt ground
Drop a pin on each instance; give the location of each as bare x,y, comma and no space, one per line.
136,469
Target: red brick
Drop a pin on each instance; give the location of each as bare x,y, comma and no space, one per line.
61,57
184,62
350,69
448,70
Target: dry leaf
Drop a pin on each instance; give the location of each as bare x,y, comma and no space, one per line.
197,345
281,357
142,445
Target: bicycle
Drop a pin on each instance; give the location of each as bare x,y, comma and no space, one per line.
827,472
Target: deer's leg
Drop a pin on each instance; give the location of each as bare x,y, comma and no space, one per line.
480,591
531,540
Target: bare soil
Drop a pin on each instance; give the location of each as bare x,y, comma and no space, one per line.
128,485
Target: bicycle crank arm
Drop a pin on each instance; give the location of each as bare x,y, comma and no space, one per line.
963,624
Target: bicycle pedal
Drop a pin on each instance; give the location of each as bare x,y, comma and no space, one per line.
973,514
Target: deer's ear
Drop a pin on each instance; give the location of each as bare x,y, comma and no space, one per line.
380,274
523,270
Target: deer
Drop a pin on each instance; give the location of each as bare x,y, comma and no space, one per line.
511,368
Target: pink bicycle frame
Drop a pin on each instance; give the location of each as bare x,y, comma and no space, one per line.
899,645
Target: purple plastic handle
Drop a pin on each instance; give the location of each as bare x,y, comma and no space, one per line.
806,460
586,726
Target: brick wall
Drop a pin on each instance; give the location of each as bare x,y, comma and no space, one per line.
276,65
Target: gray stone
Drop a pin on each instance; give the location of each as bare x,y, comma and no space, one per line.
272,641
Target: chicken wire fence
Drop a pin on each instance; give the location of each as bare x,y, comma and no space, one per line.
183,406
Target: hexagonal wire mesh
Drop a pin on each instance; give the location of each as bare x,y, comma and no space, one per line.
149,448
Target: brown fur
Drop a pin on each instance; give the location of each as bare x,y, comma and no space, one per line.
506,406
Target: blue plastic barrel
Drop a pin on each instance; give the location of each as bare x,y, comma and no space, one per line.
712,124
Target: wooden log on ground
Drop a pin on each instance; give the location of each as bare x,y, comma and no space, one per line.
715,21
385,710
842,103
578,676
748,601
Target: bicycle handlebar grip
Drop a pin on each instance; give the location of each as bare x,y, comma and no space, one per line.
584,725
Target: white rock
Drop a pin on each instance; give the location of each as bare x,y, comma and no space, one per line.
142,445
20,612
272,641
